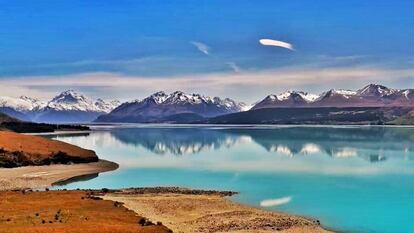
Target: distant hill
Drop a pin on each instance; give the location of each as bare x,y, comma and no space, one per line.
327,115
11,124
14,113
4,118
407,119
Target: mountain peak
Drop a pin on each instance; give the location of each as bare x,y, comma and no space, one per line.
24,97
343,92
158,97
70,100
69,96
374,90
296,95
69,92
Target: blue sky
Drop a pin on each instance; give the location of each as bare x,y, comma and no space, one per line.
98,47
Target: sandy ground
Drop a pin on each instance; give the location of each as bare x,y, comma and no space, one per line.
210,213
44,176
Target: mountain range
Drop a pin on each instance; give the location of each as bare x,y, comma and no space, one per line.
365,104
175,107
68,106
372,95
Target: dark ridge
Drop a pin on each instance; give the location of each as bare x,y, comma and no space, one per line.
11,159
321,115
30,127
163,190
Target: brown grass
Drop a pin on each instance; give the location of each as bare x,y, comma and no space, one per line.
40,147
67,211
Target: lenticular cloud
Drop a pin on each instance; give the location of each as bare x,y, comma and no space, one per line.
201,47
277,43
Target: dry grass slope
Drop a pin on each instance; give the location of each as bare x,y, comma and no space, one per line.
20,150
68,211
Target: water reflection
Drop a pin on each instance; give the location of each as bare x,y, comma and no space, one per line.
76,179
177,141
356,179
372,144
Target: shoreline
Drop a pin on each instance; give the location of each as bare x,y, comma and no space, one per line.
179,209
159,209
37,177
188,210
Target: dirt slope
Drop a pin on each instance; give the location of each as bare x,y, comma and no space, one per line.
23,150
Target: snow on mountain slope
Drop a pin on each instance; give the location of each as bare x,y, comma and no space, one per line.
72,101
375,90
105,106
372,95
68,105
159,106
343,92
287,99
292,94
22,103
181,98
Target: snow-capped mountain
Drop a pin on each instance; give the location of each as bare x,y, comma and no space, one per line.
105,106
68,106
374,90
287,99
159,106
72,101
372,95
22,103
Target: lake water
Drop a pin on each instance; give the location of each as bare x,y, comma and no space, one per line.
354,179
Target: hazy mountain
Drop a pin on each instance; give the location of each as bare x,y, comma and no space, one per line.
4,118
372,95
68,106
161,107
22,103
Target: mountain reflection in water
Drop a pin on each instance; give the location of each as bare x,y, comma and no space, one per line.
370,143
354,179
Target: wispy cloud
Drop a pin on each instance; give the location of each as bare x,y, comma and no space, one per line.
201,47
234,67
277,43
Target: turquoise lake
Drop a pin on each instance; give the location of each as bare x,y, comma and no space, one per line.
353,179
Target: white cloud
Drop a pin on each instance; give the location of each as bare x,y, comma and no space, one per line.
201,46
277,43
